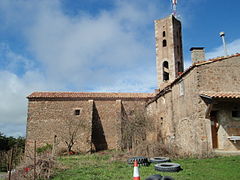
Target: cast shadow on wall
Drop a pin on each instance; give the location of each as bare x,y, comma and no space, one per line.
98,136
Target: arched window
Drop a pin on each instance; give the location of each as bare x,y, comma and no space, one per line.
165,64
164,43
164,34
165,71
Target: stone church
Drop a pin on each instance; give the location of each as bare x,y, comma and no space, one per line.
196,110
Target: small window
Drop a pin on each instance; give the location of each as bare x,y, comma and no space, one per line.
236,114
165,71
77,112
164,43
164,34
181,88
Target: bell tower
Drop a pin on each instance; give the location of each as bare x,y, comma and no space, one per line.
169,55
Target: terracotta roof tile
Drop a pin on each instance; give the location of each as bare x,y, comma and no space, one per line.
85,95
225,95
200,64
167,88
217,59
207,62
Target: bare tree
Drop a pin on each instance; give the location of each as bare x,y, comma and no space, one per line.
135,127
70,132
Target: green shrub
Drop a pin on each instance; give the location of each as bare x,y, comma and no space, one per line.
45,148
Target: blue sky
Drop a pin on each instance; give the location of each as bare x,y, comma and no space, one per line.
92,45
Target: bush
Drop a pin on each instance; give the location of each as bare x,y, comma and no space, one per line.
44,149
10,146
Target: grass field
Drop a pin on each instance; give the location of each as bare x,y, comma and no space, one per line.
101,167
2,174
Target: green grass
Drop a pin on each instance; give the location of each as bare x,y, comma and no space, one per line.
100,167
2,173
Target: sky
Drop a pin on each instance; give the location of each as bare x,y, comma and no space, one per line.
96,46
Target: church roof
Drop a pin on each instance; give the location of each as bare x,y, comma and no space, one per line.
167,88
221,95
89,95
203,63
217,59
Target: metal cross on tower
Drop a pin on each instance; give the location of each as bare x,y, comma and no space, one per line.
174,7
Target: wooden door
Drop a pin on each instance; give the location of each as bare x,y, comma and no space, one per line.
214,128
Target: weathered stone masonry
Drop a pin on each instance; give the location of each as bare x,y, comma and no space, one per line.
102,113
193,112
179,112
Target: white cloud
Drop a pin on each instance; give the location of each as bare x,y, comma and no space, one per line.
92,47
232,48
13,129
133,82
14,62
113,51
13,100
15,88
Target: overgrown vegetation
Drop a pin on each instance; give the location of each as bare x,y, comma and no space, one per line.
42,169
37,164
45,148
102,166
11,151
135,127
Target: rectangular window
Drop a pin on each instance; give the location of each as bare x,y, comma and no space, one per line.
77,112
181,88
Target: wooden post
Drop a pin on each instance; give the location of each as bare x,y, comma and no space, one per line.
53,147
34,170
10,164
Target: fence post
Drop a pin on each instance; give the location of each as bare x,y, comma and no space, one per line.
54,144
10,165
34,170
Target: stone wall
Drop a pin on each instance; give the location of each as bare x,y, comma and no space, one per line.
190,128
180,114
220,76
177,121
55,117
102,121
228,125
112,117
105,133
